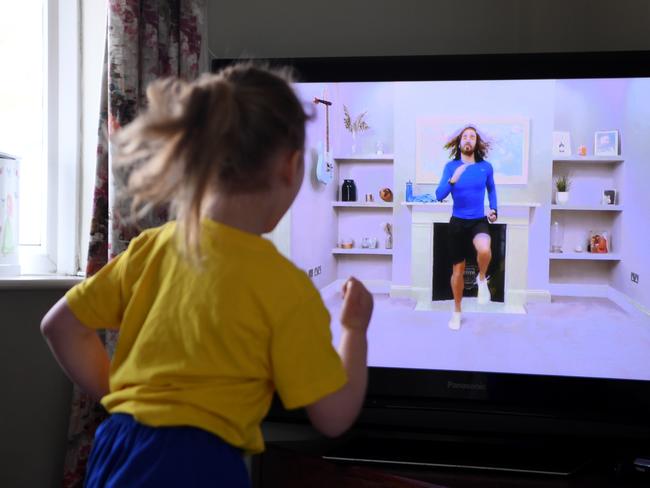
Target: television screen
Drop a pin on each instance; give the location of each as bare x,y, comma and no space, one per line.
564,265
510,188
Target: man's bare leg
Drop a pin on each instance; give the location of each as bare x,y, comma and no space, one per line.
482,243
457,284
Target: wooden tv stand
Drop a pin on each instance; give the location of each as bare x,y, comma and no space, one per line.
293,464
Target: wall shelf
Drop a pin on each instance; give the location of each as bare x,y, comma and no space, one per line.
585,256
363,204
361,250
582,215
589,208
590,159
370,158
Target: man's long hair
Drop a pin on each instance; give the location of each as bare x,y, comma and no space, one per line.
480,150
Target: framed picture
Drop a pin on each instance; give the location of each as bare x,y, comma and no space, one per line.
606,143
508,153
610,197
561,144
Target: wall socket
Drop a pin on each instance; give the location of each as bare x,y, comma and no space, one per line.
634,277
314,271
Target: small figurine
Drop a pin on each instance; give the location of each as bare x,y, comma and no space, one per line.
386,194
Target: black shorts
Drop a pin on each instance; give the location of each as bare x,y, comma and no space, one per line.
461,237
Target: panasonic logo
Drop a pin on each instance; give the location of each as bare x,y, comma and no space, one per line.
465,386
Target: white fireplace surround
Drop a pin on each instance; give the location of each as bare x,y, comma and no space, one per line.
517,218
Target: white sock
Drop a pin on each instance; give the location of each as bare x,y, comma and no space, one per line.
483,291
454,322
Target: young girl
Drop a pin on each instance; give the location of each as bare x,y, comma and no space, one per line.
212,318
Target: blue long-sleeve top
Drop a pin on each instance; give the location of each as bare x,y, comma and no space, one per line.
468,192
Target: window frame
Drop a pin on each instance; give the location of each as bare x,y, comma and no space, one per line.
58,252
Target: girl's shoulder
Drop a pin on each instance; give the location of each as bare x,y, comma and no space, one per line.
151,237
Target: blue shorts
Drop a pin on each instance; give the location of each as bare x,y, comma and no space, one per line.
127,454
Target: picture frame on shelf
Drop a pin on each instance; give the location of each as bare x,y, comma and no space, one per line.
599,242
610,197
561,143
607,143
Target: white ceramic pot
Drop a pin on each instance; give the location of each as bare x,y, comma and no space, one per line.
562,197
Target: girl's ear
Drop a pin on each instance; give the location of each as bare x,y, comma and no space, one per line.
291,167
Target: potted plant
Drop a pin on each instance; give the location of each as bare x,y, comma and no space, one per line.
355,126
562,185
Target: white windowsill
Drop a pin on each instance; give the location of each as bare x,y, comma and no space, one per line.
39,282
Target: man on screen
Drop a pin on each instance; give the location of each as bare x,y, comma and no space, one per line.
467,176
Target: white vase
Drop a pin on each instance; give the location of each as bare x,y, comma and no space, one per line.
562,197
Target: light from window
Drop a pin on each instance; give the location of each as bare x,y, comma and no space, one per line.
22,109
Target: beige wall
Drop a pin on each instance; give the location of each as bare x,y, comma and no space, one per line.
35,395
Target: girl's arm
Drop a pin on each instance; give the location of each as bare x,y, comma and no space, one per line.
335,413
77,349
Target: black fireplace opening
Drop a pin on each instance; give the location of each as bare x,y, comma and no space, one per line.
442,266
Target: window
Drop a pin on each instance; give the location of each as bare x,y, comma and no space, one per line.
39,49
22,110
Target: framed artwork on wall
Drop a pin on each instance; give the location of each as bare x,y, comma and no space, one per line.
607,143
561,144
508,152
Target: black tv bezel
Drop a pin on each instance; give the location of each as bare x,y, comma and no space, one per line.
610,399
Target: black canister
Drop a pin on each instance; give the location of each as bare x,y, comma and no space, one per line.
349,191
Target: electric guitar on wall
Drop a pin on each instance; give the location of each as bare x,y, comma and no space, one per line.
325,165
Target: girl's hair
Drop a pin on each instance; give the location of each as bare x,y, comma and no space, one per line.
480,150
220,132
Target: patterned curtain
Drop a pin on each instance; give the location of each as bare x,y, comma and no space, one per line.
146,39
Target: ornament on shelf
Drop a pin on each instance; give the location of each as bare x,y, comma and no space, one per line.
388,229
556,237
386,194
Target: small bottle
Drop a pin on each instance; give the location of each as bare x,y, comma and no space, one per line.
389,241
348,191
556,237
409,191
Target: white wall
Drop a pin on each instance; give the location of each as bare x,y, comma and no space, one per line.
313,224
583,107
530,99
634,194
291,28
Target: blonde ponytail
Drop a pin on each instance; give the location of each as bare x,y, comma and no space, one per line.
216,133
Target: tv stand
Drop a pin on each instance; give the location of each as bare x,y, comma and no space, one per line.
374,460
501,456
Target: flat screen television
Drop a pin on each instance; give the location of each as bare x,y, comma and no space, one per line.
563,347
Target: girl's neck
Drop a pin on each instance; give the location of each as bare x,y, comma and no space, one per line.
250,212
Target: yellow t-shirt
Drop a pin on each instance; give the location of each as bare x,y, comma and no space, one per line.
207,348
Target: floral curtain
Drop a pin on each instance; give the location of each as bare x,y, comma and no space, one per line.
145,39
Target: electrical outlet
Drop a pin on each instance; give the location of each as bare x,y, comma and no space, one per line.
311,272
634,277
318,270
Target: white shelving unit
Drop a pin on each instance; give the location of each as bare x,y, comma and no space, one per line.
589,160
363,204
589,208
383,158
589,175
363,251
585,256
360,219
